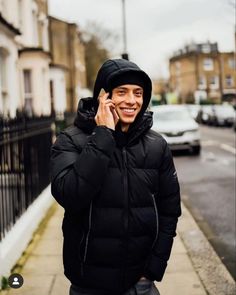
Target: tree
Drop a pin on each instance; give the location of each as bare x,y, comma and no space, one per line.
99,43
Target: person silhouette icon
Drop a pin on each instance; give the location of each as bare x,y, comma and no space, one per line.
15,281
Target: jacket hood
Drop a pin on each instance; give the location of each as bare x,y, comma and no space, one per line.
111,70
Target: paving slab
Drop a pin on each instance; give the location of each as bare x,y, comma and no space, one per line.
182,283
179,262
178,246
40,265
48,247
207,264
60,286
34,284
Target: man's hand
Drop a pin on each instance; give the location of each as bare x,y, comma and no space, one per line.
106,113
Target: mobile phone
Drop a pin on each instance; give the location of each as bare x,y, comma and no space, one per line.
102,92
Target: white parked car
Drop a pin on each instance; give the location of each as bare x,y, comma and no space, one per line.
177,126
224,115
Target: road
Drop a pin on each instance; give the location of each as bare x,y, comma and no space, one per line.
208,190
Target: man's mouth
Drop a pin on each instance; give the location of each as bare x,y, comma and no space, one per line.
128,110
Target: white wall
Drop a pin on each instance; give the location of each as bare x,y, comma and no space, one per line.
12,74
29,37
57,75
9,11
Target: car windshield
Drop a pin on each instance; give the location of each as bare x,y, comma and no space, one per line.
171,115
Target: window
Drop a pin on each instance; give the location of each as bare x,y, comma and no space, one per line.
3,69
232,63
208,64
4,80
229,81
28,92
202,83
52,96
178,67
51,89
214,82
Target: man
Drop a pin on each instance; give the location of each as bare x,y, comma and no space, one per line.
117,182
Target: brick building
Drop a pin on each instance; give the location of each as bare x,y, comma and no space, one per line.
200,72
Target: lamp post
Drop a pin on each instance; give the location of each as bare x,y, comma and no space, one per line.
124,55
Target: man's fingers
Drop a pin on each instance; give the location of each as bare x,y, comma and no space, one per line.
105,105
115,115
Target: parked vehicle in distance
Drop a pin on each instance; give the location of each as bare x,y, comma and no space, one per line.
205,115
177,126
193,110
223,115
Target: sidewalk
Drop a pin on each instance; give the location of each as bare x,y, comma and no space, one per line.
42,269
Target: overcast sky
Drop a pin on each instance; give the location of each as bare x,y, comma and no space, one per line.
155,28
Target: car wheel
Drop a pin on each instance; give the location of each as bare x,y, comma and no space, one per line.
196,150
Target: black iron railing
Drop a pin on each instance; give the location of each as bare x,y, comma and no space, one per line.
24,165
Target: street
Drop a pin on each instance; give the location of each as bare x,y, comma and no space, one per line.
208,189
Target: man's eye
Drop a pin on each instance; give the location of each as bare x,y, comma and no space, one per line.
138,93
121,92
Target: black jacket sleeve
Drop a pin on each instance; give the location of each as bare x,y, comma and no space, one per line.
169,209
77,173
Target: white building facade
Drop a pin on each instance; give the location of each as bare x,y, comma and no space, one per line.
9,82
24,57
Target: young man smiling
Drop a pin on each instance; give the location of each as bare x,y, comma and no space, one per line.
126,103
116,180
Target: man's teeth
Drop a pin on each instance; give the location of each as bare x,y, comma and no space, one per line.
129,110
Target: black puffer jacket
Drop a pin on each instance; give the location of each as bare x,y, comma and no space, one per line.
121,197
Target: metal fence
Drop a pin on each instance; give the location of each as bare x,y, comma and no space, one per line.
24,165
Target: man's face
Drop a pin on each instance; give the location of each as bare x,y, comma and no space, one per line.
128,100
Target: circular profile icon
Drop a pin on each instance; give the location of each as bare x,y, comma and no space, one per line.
15,281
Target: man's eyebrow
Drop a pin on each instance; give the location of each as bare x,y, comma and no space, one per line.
125,88
122,88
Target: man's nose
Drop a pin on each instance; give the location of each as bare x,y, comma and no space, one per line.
130,98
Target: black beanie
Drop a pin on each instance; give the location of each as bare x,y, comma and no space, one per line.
130,77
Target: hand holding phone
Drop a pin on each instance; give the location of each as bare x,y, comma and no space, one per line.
106,113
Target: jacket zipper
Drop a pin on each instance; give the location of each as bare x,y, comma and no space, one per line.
126,190
157,223
126,207
81,241
80,252
87,237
